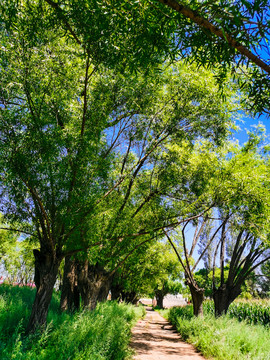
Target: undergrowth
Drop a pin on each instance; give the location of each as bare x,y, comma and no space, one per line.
102,334
252,311
221,338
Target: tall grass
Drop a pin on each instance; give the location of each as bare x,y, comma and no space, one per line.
251,311
223,338
102,334
15,307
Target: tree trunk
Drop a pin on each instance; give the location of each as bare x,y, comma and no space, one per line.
46,270
223,297
104,290
116,290
116,287
94,285
70,296
130,297
159,297
197,294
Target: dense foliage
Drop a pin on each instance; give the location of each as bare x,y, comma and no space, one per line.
228,36
109,142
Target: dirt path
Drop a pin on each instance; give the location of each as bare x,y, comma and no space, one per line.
153,338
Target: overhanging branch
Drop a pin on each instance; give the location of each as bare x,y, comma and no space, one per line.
204,23
20,231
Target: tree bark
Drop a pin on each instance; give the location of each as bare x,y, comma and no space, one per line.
130,297
104,289
94,285
46,271
70,296
197,294
159,297
223,297
116,290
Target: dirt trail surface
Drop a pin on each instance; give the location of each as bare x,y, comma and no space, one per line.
153,338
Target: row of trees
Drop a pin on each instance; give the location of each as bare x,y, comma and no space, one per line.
108,145
230,225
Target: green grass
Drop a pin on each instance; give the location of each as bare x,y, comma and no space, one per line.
100,334
223,338
251,311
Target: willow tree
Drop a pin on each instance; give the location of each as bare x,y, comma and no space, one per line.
231,37
55,106
151,271
58,158
243,242
202,168
227,36
235,223
183,107
64,110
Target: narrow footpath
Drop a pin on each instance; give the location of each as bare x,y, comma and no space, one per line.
153,338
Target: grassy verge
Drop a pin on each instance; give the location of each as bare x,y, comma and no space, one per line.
223,338
102,334
252,311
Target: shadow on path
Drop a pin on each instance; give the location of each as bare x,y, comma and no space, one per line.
153,338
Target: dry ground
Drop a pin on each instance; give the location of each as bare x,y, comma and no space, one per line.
153,338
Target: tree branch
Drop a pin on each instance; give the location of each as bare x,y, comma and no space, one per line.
75,251
85,95
207,245
175,250
43,212
129,254
20,231
62,17
204,23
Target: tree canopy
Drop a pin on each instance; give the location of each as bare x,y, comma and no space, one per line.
108,139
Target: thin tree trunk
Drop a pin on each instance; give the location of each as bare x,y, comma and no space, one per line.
46,270
70,296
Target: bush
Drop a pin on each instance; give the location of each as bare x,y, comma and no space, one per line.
185,312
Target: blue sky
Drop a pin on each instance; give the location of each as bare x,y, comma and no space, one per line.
248,124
